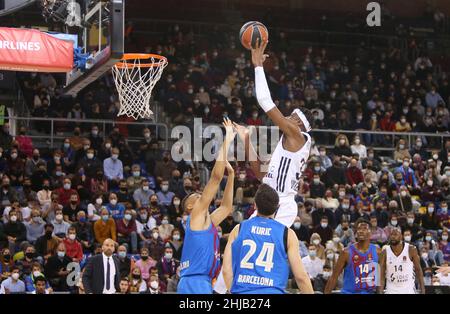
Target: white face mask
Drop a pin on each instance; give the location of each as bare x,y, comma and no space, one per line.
13,218
336,239
176,203
72,236
15,276
394,222
90,156
312,253
59,217
164,221
155,235
324,225
99,201
176,237
113,202
316,241
168,255
424,255
297,225
445,237
326,274
408,238
67,186
410,220
154,285
145,188
403,193
330,256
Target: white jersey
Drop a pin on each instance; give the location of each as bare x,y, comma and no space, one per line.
400,276
285,168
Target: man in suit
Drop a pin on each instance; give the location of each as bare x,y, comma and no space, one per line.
102,272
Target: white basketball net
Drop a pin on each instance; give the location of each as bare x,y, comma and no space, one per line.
135,83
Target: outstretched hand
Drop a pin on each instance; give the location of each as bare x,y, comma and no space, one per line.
230,133
242,131
258,55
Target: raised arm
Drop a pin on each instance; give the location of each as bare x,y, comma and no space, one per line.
300,274
338,268
289,128
227,259
250,152
201,206
226,207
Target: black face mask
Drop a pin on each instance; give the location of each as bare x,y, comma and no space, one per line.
345,228
48,234
136,276
144,258
73,202
6,257
29,255
154,203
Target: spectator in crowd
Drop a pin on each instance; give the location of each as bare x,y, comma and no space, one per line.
145,263
172,283
104,228
35,227
155,245
12,284
84,232
127,231
74,249
135,180
137,283
60,226
142,195
56,269
167,265
321,279
113,168
14,231
312,263
165,229
324,230
124,261
114,208
65,192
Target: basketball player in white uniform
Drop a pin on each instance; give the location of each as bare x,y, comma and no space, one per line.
400,266
289,159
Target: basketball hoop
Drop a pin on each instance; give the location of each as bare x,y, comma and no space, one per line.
135,76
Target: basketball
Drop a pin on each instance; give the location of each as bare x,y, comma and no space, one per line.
251,32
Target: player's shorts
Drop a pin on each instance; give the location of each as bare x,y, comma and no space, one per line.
287,211
400,291
195,285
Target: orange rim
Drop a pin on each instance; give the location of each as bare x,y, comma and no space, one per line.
140,56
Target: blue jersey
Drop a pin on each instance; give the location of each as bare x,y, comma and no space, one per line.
259,257
361,273
201,256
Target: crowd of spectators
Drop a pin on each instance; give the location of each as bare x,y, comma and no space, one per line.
58,207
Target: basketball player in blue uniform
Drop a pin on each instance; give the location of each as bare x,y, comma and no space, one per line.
200,258
260,250
360,264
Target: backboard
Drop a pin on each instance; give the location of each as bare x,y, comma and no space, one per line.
102,35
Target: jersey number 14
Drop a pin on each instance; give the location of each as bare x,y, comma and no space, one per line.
265,257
